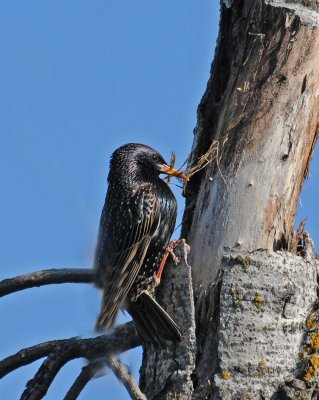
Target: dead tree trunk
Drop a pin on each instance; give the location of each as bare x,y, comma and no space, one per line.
255,302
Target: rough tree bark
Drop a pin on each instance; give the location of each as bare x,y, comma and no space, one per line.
257,333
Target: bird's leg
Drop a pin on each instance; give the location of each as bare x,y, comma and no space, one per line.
169,251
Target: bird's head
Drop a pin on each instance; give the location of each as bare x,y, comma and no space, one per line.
143,158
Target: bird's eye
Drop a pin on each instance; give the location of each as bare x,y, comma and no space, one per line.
154,157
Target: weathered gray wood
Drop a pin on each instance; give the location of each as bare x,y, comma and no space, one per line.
263,97
307,10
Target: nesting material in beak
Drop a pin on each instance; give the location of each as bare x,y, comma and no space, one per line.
167,169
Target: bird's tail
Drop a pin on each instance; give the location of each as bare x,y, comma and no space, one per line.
152,322
107,314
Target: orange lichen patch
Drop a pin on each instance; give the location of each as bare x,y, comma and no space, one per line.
262,363
314,364
315,339
309,373
308,349
226,375
312,347
235,293
314,359
302,354
311,322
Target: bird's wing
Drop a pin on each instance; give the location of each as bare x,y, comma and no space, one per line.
122,248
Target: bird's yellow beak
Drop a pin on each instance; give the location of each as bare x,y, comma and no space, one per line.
166,169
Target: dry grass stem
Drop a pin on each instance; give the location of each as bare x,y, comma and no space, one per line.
213,153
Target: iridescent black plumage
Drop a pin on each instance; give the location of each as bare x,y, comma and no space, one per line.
136,224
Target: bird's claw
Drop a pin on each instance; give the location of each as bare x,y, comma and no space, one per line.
176,260
175,243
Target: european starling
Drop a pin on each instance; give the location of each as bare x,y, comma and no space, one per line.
137,221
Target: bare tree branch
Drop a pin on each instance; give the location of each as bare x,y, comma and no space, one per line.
46,277
123,338
126,378
88,372
38,386
60,352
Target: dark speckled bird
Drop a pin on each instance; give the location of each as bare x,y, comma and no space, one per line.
137,221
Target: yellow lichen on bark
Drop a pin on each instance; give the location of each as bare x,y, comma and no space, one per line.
259,300
226,375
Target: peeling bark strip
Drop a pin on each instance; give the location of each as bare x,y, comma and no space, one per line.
263,97
307,11
265,301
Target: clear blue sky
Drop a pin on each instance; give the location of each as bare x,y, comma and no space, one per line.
78,79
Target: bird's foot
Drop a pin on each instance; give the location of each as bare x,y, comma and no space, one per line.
169,251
